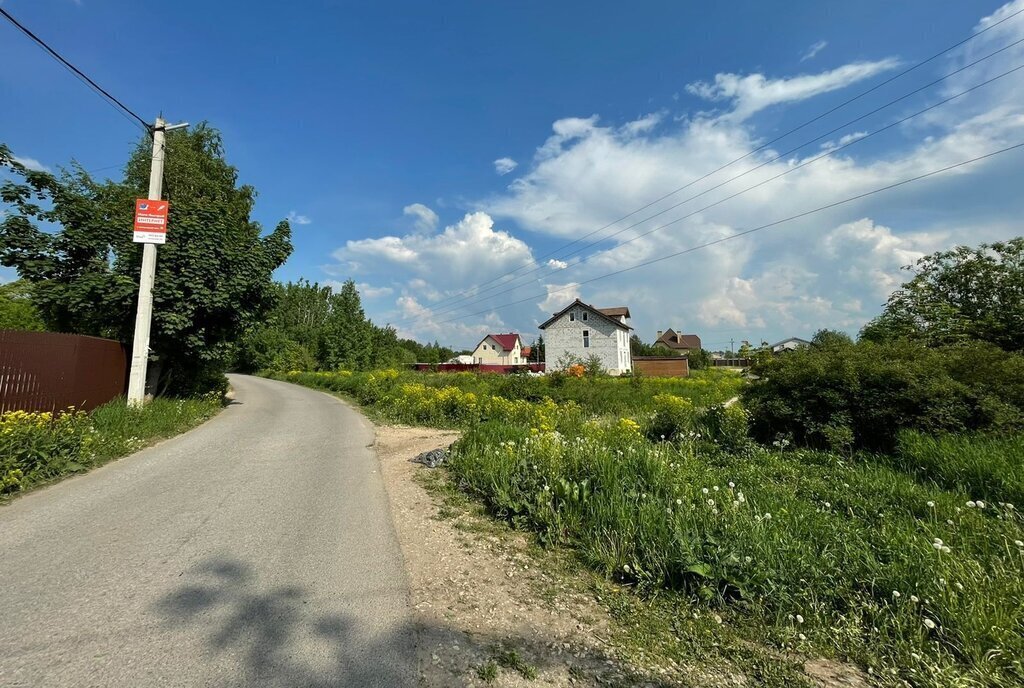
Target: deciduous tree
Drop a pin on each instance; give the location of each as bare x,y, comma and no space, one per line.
213,277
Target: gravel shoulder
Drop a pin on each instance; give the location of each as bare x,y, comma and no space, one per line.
486,611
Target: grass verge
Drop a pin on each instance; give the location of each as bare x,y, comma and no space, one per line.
39,448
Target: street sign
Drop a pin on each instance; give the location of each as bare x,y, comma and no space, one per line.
150,221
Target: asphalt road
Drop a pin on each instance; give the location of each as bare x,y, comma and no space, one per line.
256,550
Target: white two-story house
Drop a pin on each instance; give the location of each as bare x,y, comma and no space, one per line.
500,349
583,331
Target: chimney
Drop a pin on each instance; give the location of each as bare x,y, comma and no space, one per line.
659,335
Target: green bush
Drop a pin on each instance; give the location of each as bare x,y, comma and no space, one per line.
673,418
725,425
863,394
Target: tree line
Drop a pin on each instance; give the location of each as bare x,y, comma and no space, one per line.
312,327
216,305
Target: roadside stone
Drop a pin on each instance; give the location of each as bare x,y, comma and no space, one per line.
432,458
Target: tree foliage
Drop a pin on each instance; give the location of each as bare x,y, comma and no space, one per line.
17,312
213,277
959,295
831,338
314,327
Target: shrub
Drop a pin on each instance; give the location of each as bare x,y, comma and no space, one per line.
593,367
38,446
725,425
673,417
862,395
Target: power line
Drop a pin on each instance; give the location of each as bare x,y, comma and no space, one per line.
479,296
787,171
535,261
745,232
114,102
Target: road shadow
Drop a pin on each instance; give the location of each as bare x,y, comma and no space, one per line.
269,632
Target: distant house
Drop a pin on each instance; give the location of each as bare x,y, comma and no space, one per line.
790,344
462,359
583,331
682,343
500,349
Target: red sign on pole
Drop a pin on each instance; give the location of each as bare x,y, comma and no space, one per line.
150,221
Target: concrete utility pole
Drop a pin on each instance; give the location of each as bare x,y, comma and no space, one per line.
144,314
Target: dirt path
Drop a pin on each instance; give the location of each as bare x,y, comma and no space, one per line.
485,613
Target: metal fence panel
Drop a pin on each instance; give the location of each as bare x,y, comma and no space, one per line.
46,371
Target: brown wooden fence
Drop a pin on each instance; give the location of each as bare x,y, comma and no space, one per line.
661,366
45,371
732,362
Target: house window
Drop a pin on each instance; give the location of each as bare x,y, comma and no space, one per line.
585,315
572,316
586,339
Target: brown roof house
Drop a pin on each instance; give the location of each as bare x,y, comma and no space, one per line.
683,343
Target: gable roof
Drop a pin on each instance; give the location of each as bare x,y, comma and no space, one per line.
595,311
616,312
505,341
790,339
674,340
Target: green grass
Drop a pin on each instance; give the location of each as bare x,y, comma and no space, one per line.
888,562
987,468
829,556
36,449
508,658
488,671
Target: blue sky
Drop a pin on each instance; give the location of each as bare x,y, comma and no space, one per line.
377,128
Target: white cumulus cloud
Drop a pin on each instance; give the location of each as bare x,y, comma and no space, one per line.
297,219
505,165
425,219
755,92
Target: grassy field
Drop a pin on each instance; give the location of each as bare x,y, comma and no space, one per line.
36,448
911,565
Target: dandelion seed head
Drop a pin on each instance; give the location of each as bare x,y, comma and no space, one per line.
931,505
930,624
